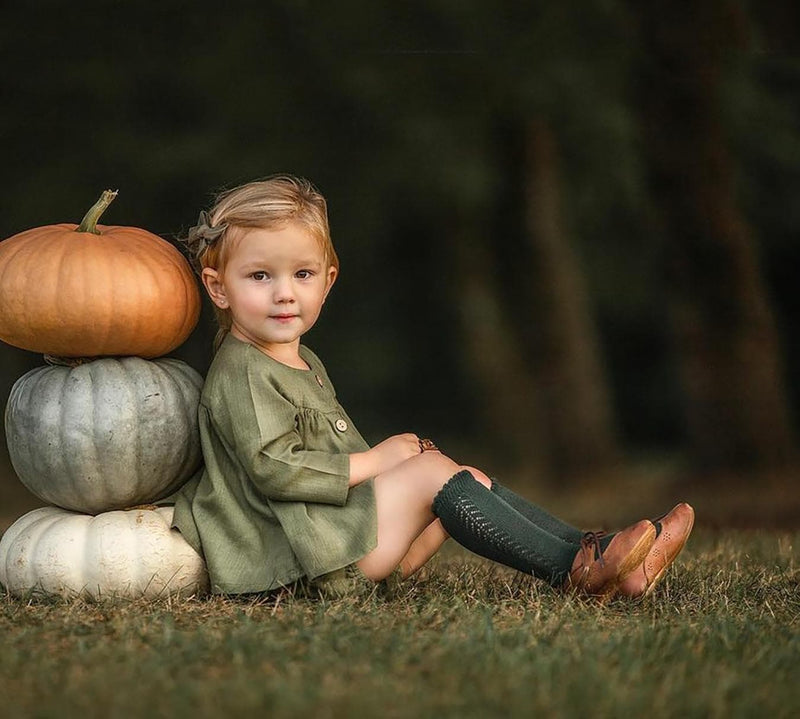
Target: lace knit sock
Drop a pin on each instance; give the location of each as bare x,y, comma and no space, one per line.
538,516
487,525
542,518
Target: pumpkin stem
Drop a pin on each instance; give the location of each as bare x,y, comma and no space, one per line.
89,221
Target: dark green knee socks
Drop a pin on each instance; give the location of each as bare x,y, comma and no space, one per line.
537,515
486,523
544,519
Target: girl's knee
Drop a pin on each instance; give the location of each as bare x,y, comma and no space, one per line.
479,475
436,464
439,468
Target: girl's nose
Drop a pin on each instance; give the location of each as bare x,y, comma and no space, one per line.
283,291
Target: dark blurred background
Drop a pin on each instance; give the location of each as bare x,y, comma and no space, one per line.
568,231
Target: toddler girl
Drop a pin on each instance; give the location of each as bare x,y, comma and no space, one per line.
290,490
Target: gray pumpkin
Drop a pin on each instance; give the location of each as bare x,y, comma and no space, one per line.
106,434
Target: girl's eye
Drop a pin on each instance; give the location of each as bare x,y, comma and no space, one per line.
304,274
259,276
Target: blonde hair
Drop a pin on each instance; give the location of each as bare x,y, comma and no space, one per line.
268,204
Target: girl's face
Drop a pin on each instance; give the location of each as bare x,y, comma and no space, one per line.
274,284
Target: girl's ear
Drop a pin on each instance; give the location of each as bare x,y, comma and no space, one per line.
213,284
333,273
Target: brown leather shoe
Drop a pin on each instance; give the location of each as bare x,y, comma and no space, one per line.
675,529
599,573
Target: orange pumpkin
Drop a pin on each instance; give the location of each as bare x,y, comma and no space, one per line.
94,290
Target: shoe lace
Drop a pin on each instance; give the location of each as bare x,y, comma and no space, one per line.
590,545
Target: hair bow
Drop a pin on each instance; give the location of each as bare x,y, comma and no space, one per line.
204,232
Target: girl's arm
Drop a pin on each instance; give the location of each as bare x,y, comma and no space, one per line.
382,457
278,465
261,425
257,428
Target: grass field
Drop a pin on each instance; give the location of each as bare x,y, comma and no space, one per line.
720,639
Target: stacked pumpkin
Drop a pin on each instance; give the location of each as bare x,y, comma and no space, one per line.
109,426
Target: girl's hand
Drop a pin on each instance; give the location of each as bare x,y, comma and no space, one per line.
395,450
383,457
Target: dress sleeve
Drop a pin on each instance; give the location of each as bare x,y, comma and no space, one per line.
272,451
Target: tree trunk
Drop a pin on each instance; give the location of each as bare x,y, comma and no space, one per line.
572,388
722,322
493,357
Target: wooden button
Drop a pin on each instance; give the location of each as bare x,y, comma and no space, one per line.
341,425
319,380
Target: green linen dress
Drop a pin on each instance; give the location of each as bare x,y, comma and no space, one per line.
272,504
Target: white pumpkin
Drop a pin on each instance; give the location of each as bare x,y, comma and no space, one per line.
106,434
128,554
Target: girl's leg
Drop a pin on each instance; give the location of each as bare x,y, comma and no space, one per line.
672,531
404,498
542,518
489,526
408,496
539,516
423,548
433,536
